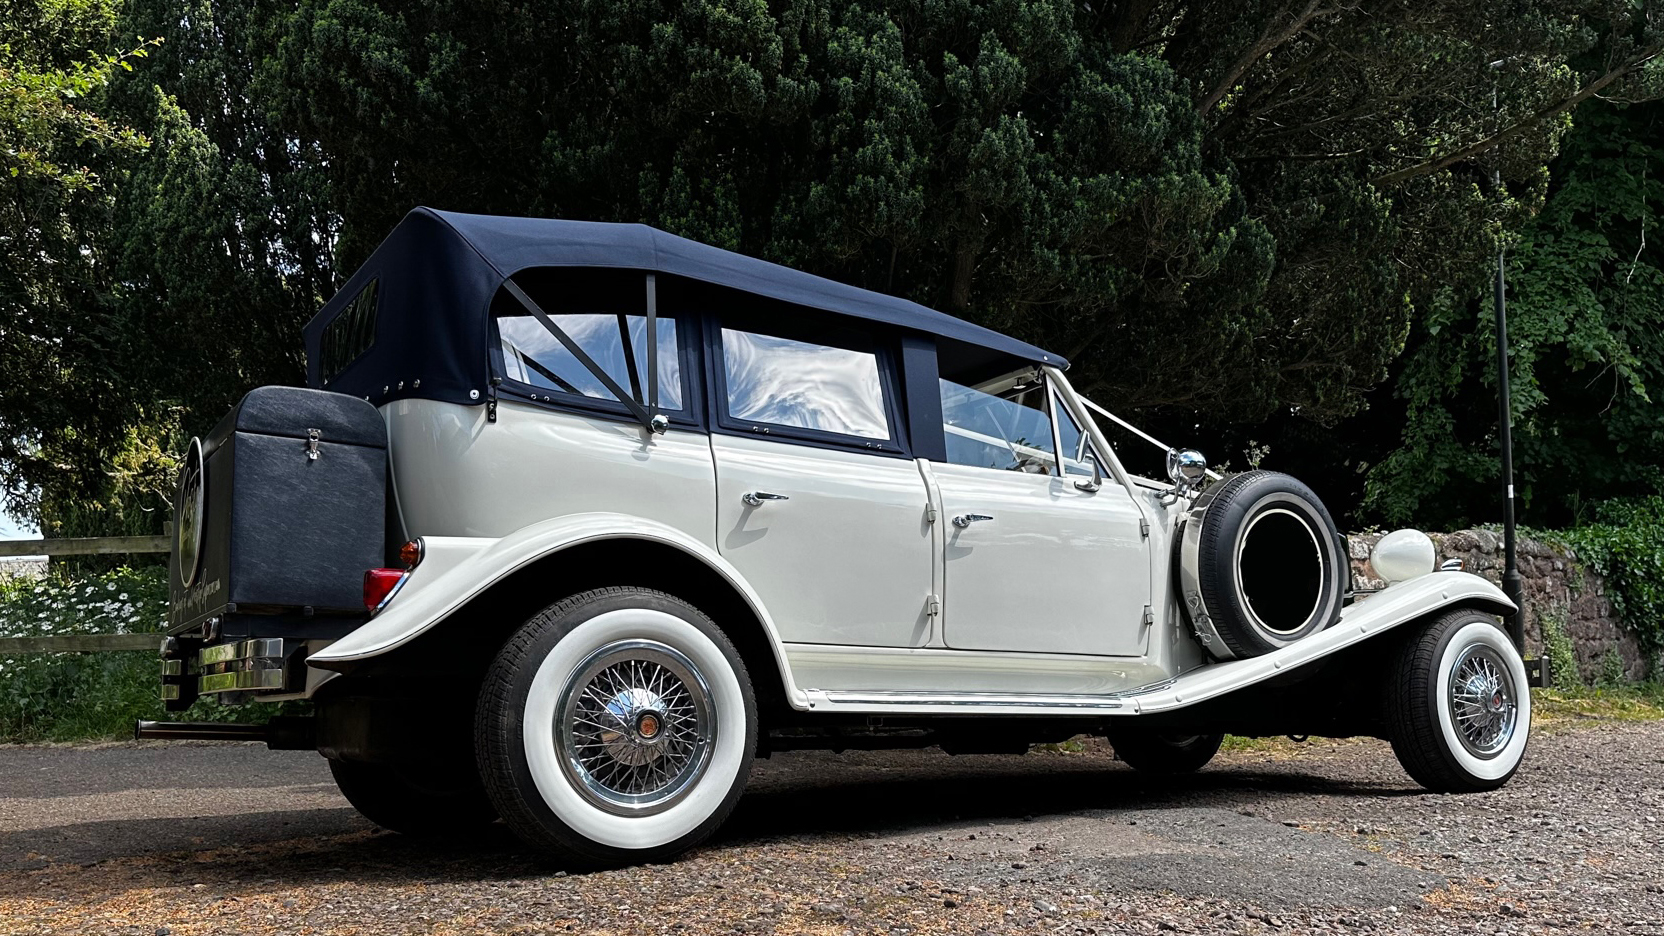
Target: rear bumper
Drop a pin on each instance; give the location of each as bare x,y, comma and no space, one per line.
236,671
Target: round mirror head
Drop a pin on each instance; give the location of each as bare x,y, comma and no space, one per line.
1186,467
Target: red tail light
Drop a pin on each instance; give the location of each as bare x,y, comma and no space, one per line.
379,585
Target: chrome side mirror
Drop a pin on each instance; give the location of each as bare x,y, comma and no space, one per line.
1186,468
1092,486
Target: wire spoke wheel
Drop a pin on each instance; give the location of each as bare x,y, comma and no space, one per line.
1483,701
1458,712
635,727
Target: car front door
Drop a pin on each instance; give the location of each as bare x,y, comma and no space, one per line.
818,506
1037,558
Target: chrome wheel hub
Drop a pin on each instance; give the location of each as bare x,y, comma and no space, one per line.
1483,701
635,727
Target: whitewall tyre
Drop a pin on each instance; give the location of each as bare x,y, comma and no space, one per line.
617,726
1459,711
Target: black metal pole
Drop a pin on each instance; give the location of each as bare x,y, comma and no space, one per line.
1511,585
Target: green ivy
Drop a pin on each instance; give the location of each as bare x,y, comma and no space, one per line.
1625,544
1562,655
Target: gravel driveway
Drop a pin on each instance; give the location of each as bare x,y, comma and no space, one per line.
1322,837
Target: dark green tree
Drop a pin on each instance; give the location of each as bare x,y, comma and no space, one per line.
1234,207
1586,327
64,401
1221,211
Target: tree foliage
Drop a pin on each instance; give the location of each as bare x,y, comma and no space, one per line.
59,157
1218,210
1586,329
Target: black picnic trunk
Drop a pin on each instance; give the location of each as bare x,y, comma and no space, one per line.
294,498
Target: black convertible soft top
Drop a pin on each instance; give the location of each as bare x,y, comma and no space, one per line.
419,308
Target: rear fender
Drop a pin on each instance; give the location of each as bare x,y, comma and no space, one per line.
455,569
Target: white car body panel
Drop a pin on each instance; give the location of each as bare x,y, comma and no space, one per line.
858,632
1054,569
846,558
456,569
456,474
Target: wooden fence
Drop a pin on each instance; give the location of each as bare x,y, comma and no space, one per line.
83,546
80,643
86,546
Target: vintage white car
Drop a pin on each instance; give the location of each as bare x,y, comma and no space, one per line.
576,519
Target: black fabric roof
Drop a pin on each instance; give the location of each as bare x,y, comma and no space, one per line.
437,272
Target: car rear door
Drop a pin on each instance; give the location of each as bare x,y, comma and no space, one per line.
818,505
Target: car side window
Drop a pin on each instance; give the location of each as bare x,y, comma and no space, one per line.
618,343
1007,431
802,385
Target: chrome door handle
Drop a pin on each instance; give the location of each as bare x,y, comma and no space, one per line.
756,498
964,520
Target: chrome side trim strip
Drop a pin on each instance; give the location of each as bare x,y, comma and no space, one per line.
1124,702
975,700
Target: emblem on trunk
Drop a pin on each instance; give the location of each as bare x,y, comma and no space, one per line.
189,514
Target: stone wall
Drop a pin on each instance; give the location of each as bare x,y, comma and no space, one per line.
1555,584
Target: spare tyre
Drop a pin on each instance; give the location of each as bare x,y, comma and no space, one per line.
1260,565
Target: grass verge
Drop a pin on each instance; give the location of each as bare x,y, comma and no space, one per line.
56,697
1642,702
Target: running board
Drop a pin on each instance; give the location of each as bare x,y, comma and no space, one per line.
967,703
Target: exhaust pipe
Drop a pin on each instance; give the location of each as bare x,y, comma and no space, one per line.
283,733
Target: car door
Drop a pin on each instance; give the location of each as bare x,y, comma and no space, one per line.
1036,559
817,504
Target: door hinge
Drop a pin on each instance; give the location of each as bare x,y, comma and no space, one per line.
932,606
1149,616
930,513
1144,527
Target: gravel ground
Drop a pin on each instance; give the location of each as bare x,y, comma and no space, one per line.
1322,837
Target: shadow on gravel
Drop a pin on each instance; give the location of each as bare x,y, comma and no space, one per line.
832,804
804,796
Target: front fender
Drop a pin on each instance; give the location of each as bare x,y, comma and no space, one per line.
455,569
1392,606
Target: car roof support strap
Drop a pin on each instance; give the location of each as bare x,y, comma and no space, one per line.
583,357
652,347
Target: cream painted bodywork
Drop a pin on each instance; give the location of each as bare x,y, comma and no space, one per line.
845,556
454,569
456,474
854,576
1053,570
